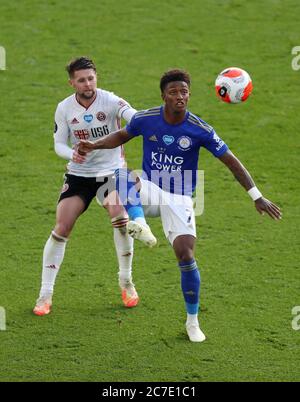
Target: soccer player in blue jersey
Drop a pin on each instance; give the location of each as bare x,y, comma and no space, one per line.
172,138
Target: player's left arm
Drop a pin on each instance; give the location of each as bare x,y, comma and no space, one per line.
244,178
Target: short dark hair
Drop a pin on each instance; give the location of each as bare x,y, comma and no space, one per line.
80,63
174,75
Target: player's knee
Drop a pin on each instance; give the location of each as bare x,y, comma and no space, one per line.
183,246
115,210
185,254
63,229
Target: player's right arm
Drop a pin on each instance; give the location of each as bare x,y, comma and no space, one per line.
112,140
61,136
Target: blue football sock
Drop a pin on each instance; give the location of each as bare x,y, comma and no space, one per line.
190,285
128,194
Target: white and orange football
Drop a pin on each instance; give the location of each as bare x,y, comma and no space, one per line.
233,85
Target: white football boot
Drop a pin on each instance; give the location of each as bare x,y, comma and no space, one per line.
142,233
194,332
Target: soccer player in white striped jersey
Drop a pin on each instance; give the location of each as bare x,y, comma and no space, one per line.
90,113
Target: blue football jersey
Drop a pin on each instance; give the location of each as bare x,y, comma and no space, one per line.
171,151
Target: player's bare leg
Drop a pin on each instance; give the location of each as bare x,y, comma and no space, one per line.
67,212
124,248
190,283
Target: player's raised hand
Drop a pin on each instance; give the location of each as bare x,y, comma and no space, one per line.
85,146
263,205
78,155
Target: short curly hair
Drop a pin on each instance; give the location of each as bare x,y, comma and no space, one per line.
174,75
80,63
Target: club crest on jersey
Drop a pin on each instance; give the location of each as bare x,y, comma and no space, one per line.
101,116
168,139
184,143
88,118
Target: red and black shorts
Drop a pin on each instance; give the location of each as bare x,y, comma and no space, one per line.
87,187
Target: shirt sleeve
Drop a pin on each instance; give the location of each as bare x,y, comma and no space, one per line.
133,127
63,150
121,108
214,144
61,135
128,113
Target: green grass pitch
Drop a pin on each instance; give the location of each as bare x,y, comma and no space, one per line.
249,264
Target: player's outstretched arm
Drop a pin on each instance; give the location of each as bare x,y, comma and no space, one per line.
112,140
244,178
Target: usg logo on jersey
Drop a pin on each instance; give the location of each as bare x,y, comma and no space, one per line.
184,143
168,139
88,118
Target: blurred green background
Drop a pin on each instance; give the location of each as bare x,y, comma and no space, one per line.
249,264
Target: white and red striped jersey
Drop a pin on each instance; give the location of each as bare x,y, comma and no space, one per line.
74,122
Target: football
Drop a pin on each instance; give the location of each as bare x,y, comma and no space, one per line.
233,85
